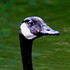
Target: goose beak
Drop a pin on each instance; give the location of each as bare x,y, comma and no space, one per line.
46,30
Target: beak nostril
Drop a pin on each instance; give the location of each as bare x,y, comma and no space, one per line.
48,29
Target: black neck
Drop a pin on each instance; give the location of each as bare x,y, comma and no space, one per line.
26,52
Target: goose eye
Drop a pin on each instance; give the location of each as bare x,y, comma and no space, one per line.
31,23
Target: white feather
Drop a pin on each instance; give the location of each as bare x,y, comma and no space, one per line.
26,32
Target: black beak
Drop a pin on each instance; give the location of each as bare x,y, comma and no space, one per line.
46,30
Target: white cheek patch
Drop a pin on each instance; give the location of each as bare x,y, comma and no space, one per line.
26,32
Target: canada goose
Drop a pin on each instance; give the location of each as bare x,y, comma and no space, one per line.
30,29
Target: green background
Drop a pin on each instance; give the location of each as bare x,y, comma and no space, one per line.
49,52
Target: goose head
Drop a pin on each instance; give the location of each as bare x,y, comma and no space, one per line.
33,27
